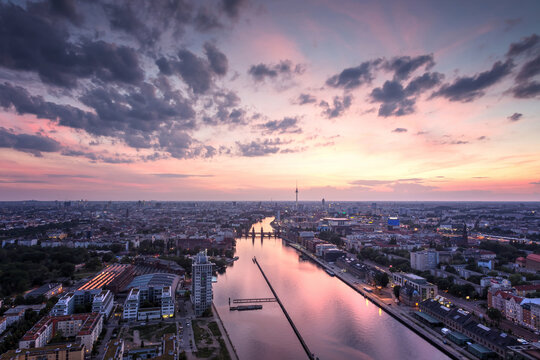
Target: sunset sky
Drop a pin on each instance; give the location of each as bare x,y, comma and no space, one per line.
239,99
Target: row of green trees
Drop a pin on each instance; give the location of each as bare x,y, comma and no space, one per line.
23,267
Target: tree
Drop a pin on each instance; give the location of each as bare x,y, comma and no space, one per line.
382,279
516,279
93,264
67,269
19,300
107,257
397,288
494,314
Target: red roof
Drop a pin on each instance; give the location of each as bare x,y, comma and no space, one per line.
527,287
534,257
89,322
507,296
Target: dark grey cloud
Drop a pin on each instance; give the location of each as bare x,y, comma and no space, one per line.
353,77
399,130
232,7
218,61
259,147
196,72
224,109
180,176
287,125
31,42
338,107
396,100
147,21
140,110
24,103
98,66
393,99
404,66
525,45
206,20
529,70
535,183
468,88
67,9
165,66
526,90
34,144
391,91
123,17
98,157
285,68
181,145
305,99
515,117
424,82
143,117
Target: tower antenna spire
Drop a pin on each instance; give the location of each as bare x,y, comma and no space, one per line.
296,195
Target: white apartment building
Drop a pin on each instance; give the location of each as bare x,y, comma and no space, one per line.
164,296
167,302
201,283
425,289
131,305
65,305
103,303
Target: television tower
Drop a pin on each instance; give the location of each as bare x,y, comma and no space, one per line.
297,195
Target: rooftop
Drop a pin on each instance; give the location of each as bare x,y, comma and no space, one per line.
155,280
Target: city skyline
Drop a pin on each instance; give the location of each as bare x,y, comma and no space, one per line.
238,100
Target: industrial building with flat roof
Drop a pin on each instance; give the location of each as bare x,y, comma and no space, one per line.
113,277
47,290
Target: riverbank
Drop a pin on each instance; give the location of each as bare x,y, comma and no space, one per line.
228,343
393,311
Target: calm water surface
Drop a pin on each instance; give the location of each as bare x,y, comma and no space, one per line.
335,321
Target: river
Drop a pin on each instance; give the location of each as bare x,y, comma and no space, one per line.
335,321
